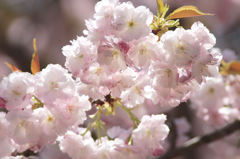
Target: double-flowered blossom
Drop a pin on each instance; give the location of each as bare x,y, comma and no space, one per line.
151,131
122,20
16,90
217,100
40,107
6,147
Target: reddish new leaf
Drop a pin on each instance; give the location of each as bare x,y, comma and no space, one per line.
35,66
186,11
230,68
234,67
12,67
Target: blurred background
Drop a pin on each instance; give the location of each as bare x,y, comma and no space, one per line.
55,22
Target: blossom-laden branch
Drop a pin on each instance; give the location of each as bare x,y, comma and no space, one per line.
201,140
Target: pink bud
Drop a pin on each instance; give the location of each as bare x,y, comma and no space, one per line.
158,151
124,47
2,103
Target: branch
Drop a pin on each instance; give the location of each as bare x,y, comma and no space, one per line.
201,140
173,135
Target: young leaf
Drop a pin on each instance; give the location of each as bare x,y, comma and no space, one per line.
35,67
12,67
234,67
37,103
230,68
186,11
160,7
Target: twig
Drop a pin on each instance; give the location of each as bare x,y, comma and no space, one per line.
201,140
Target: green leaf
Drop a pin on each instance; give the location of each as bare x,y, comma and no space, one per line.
160,7
37,103
186,11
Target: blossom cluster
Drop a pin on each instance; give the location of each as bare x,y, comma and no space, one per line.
217,101
120,55
217,104
39,108
120,72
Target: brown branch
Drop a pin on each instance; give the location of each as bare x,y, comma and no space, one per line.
201,140
173,133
